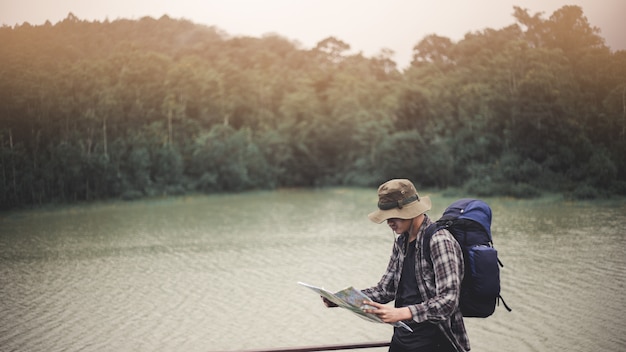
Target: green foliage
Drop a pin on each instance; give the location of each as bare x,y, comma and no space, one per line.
148,107
400,156
167,169
226,159
585,191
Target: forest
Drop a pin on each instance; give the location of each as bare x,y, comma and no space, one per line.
127,109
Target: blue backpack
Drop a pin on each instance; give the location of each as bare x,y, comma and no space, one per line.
469,221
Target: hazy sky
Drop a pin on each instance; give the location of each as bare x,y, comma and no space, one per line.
366,25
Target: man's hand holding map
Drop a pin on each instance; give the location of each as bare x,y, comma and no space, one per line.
352,300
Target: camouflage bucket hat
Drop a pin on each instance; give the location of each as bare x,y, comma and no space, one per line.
398,199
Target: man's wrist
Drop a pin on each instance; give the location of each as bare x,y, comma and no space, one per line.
407,315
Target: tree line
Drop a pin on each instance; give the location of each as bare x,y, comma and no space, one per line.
133,108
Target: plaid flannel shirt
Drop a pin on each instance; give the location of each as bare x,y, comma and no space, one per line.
439,283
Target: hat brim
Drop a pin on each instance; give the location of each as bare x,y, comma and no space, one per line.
408,211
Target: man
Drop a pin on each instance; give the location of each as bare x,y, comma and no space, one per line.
426,292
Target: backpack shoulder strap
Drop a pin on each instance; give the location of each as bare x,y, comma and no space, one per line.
428,234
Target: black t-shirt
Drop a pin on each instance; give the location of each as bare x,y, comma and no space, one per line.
408,294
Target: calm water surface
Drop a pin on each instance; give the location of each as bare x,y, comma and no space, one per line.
219,273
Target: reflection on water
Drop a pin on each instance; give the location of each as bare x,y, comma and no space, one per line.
219,273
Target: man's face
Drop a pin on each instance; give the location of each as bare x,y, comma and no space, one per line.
399,226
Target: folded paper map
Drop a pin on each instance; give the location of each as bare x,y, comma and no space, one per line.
352,300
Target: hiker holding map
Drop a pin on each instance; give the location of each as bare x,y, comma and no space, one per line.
426,291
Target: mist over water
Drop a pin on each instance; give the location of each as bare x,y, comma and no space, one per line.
219,273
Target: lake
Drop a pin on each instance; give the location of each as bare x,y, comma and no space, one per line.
219,273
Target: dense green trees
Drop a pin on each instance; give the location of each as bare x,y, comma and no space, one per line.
93,110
